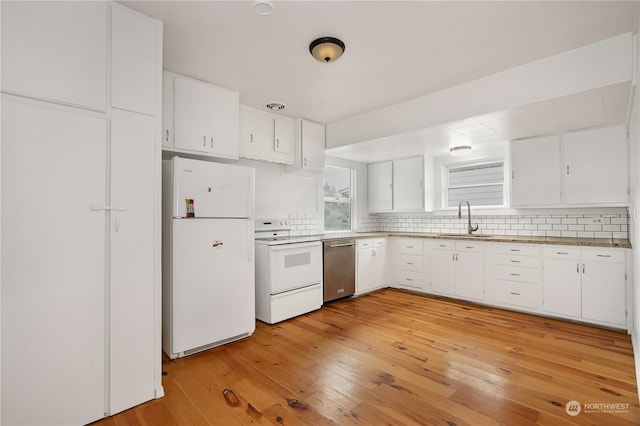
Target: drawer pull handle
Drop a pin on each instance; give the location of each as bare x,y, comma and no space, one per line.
409,246
515,249
578,267
515,294
515,261
409,263
515,275
604,255
469,247
562,252
442,245
409,279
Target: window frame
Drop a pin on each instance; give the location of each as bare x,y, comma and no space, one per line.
339,200
486,161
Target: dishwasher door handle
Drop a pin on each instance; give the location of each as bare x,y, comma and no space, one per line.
340,245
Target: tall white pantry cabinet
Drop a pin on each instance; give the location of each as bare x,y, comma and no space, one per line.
80,211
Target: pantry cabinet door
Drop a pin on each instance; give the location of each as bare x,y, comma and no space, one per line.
53,264
132,226
56,51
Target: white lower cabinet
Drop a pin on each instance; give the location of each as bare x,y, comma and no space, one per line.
371,267
517,270
457,269
587,284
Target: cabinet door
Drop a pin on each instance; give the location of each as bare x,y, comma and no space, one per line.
168,134
285,136
224,122
562,293
380,185
312,146
56,51
596,166
256,133
53,265
193,113
380,267
133,61
365,271
443,273
535,171
133,176
603,292
408,177
469,273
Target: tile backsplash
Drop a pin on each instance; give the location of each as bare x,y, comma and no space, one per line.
591,225
303,224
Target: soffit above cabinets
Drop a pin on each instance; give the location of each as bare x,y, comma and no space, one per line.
491,132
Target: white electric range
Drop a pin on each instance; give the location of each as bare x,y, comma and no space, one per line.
288,272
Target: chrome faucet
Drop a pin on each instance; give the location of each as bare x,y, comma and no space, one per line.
470,228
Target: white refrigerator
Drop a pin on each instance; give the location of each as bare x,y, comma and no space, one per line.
208,255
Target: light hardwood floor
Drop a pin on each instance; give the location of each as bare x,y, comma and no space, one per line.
396,358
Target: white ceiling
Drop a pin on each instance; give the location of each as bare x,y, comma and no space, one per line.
395,51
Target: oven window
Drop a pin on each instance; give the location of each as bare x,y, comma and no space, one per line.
337,198
298,259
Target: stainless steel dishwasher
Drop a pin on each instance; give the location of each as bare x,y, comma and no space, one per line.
339,269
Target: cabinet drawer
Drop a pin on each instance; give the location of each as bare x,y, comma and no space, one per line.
523,250
409,262
511,273
379,242
469,246
561,252
411,279
410,246
366,243
603,255
517,294
443,244
522,261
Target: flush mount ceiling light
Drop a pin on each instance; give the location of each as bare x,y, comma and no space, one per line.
263,7
326,49
277,106
460,149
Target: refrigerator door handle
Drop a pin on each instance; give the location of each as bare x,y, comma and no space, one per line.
251,241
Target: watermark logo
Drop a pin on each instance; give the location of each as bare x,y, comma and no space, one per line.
573,408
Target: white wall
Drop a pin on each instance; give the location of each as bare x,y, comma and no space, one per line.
634,210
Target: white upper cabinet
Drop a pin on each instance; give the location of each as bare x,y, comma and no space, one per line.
408,181
205,117
265,136
309,155
133,61
583,168
56,51
380,182
535,171
596,166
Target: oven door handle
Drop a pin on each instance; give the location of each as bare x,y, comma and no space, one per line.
294,246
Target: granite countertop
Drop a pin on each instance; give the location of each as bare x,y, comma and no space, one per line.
587,242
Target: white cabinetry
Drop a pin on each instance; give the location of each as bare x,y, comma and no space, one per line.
371,272
411,264
380,185
408,181
457,269
265,136
204,117
583,168
309,152
81,253
535,171
596,166
585,284
56,51
518,273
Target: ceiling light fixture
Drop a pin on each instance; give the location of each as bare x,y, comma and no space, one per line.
263,7
326,49
275,106
460,149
